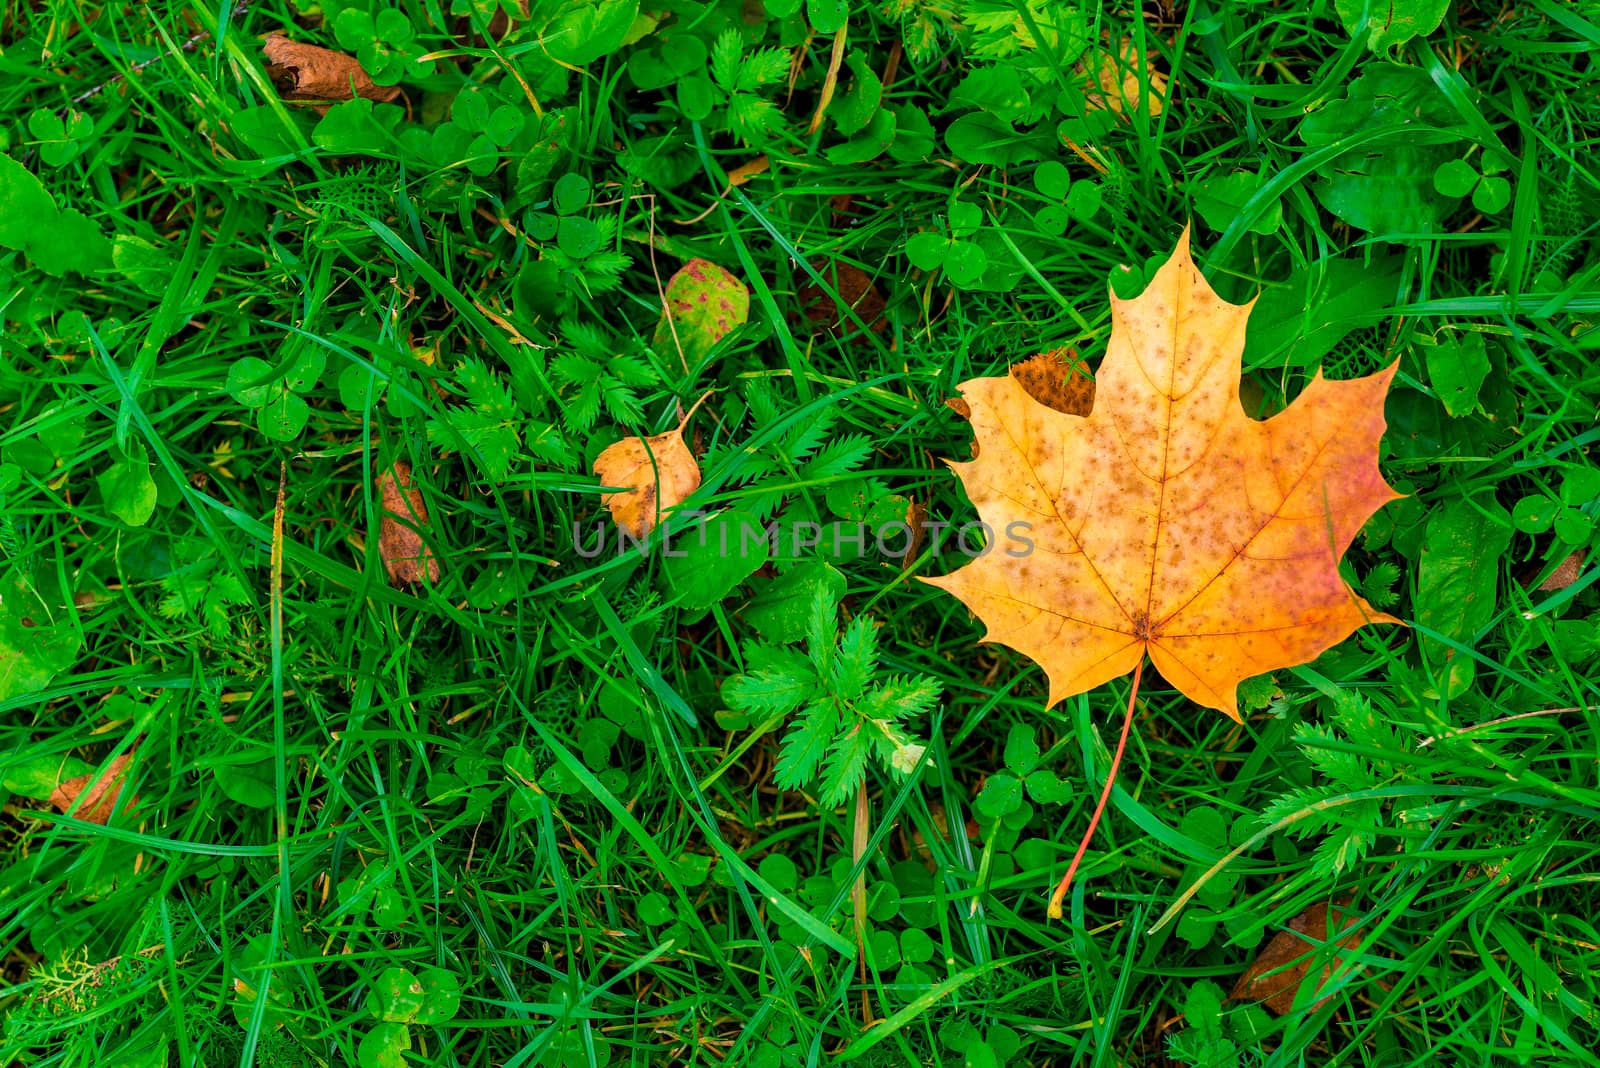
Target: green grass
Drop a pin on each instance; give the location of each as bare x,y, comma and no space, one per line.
527,780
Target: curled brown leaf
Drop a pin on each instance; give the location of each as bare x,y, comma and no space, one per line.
306,72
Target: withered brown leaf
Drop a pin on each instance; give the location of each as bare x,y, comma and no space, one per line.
406,557
99,799
306,72
1273,980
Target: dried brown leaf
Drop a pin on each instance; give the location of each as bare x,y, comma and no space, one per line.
1565,574
306,72
406,557
98,799
856,292
1057,379
1282,966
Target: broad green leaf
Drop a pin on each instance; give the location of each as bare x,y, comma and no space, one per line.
143,263
978,137
128,488
1457,367
1391,22
926,250
396,996
1455,178
284,416
1457,578
32,648
72,242
1022,751
779,610
583,31
1219,198
25,204
358,127
1387,186
1001,794
1491,195
38,777
996,89
262,130
869,144
1052,179
827,16
705,561
384,1046
252,785
913,135
965,262
1300,322
251,382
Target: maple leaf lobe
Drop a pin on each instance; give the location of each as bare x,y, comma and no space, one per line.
1165,520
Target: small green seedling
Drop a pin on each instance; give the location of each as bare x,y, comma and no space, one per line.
1457,178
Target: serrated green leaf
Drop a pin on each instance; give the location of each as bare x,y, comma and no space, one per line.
808,741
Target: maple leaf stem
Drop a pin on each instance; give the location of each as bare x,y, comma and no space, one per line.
1105,793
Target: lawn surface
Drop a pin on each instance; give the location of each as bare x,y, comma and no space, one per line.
551,807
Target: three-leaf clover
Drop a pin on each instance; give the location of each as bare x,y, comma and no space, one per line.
963,259
1071,200
474,134
400,997
1569,512
274,392
385,44
1457,178
60,135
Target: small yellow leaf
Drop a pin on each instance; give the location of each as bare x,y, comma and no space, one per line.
659,472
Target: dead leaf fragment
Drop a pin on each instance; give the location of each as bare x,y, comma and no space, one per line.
1057,379
306,72
856,293
660,473
1166,521
1113,81
1274,978
99,799
1565,574
403,514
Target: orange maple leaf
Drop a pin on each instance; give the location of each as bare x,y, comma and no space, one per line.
1166,521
